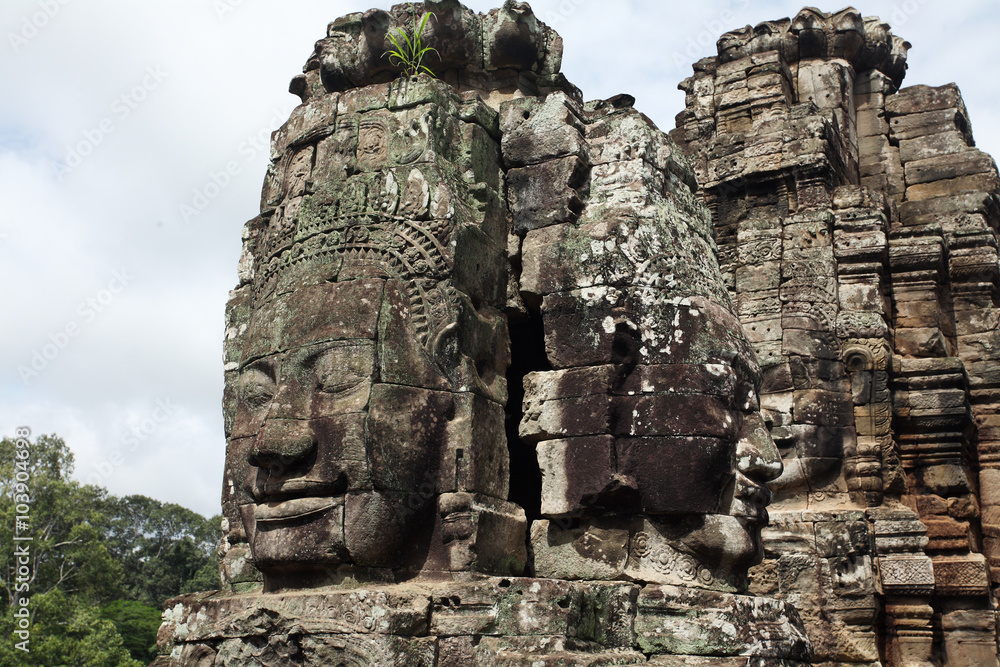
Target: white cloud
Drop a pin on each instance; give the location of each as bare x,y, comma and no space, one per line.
198,87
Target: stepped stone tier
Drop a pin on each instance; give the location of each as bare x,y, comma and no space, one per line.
857,232
508,374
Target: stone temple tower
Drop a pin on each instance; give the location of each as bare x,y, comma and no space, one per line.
512,377
857,230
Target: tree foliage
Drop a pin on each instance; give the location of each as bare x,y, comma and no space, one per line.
137,624
162,547
101,567
66,632
64,522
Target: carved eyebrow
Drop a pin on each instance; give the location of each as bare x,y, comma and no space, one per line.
264,365
322,349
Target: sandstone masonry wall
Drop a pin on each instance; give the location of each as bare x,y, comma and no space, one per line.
857,224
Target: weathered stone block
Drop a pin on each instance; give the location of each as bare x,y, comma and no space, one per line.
823,408
961,575
547,193
932,145
758,277
597,550
811,344
504,607
946,167
536,131
674,475
984,182
920,99
569,417
474,457
570,256
921,342
872,123
575,472
593,326
929,211
762,330
905,574
686,621
674,415
549,652
843,538
479,534
404,453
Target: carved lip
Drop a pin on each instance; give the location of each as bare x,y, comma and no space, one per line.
296,508
751,502
753,515
298,487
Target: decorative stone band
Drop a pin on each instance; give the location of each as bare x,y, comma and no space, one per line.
906,574
518,621
608,549
961,575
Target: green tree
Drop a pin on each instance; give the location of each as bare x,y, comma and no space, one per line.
100,566
66,632
137,624
165,549
64,522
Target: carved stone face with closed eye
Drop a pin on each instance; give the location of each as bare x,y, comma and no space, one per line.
371,385
340,465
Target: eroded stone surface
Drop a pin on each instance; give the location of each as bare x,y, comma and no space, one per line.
513,621
856,225
508,374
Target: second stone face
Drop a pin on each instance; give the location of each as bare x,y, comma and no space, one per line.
649,432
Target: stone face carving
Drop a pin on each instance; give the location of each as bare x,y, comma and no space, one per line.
647,430
509,374
864,43
399,494
371,382
370,391
849,215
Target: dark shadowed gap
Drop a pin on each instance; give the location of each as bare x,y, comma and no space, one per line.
527,348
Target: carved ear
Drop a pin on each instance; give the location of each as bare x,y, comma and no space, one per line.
402,358
445,348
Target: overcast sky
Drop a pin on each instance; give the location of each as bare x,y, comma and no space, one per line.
117,114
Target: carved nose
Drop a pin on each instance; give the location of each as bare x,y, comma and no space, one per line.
282,443
757,456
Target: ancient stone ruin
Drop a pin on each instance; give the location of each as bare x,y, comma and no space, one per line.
857,230
508,373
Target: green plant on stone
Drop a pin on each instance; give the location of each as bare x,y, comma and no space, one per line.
410,53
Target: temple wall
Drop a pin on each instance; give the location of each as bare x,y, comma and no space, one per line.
857,225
